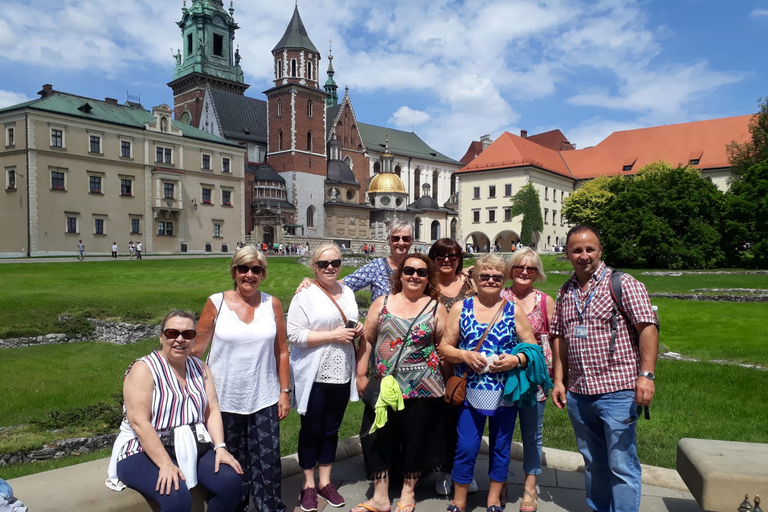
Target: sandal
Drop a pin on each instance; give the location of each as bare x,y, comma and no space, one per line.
402,508
530,502
366,507
454,508
495,508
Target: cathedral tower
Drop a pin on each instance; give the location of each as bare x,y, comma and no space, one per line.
208,56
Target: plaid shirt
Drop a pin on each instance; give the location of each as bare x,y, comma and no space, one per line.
590,369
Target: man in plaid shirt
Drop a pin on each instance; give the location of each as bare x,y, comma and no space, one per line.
602,384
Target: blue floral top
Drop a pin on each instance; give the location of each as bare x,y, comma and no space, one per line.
375,274
485,390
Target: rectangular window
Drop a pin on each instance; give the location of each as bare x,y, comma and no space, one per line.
163,155
135,226
168,156
554,195
225,165
546,215
57,180
57,138
125,148
159,155
508,189
126,187
164,228
218,45
207,196
190,46
206,161
491,215
507,214
492,191
98,226
476,216
94,184
10,179
226,197
476,191
546,193
562,193
95,146
168,190
217,230
72,225
554,214
10,136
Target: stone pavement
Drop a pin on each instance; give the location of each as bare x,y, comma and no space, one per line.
559,490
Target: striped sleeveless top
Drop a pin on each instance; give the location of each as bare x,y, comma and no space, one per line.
172,404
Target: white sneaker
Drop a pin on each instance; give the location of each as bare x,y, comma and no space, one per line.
472,486
444,484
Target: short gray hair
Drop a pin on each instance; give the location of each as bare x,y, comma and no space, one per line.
397,225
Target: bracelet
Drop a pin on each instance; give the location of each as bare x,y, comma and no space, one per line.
220,445
287,390
519,361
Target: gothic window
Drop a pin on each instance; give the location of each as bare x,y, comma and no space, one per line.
311,217
434,185
435,231
397,171
186,117
453,229
309,108
416,185
279,108
280,140
417,234
279,70
293,68
309,71
348,161
309,141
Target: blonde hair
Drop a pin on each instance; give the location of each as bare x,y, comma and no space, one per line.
490,260
521,255
244,256
324,247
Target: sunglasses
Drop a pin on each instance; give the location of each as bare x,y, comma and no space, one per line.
324,264
172,334
496,278
449,257
421,272
243,269
520,269
407,238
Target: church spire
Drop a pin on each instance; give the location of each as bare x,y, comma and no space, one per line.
330,85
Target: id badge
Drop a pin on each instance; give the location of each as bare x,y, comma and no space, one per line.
580,331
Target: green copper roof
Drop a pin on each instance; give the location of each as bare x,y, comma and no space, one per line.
401,143
131,115
295,36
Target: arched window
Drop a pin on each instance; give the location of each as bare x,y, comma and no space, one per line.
417,234
309,71
376,168
279,108
434,185
279,69
349,163
309,140
293,68
280,140
397,171
435,230
309,108
311,217
416,184
186,117
453,229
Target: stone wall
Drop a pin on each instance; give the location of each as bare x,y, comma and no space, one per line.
112,332
59,449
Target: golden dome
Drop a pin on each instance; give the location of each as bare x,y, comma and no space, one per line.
386,182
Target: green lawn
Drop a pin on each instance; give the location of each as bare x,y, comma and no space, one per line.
38,383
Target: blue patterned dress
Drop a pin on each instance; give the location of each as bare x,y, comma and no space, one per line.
376,274
485,391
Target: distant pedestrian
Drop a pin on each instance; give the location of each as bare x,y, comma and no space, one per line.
131,249
80,250
138,250
114,250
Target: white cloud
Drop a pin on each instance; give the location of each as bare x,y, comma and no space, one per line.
405,117
756,13
8,98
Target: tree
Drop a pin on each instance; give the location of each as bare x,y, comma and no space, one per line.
746,217
526,203
745,155
670,217
586,204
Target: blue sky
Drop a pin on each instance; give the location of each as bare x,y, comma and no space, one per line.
450,70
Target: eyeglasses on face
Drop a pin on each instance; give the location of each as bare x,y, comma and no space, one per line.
172,334
256,269
450,257
520,269
407,238
421,272
496,278
324,264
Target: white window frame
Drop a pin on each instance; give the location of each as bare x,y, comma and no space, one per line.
131,218
124,140
76,216
100,138
101,176
165,224
231,194
132,179
63,130
103,218
218,229
11,184
226,169
61,170
202,161
211,189
164,148
10,135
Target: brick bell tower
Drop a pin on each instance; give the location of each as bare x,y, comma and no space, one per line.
208,56
296,105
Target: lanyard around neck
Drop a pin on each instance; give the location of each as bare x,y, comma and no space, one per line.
583,309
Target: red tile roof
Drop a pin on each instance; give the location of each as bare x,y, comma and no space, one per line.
677,144
475,148
553,139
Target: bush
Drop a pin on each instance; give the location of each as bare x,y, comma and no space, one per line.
74,326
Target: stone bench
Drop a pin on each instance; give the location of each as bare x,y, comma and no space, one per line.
719,473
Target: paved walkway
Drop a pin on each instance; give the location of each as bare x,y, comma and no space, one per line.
559,489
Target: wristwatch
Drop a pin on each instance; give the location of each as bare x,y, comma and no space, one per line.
289,390
647,375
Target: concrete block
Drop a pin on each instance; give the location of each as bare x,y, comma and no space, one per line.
720,473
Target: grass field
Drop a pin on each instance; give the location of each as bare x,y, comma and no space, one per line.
693,399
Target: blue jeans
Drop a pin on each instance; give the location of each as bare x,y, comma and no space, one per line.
531,419
470,428
605,429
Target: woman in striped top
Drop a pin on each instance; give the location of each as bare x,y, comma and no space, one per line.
172,437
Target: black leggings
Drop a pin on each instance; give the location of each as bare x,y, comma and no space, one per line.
319,432
140,473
